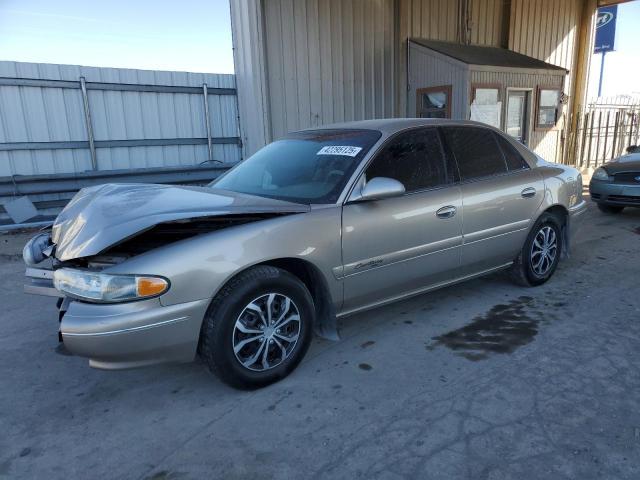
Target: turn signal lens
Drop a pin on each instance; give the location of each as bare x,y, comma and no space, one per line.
150,286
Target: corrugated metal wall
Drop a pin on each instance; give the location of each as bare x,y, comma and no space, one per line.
439,19
548,30
250,72
431,69
49,114
328,61
434,20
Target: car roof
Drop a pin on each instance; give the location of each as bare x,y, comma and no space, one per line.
389,126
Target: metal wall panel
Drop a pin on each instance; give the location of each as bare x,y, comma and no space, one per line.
328,61
251,73
431,69
547,30
51,114
439,20
312,62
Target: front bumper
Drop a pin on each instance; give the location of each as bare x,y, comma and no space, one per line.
123,335
615,193
134,334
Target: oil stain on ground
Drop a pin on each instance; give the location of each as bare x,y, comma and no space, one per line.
502,329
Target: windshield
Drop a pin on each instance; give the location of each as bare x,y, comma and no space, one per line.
303,167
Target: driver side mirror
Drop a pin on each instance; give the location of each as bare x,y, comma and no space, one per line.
378,188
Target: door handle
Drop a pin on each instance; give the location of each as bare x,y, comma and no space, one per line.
528,192
446,212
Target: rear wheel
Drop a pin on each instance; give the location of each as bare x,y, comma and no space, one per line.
613,209
258,328
540,254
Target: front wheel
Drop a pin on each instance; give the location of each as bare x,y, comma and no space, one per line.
613,209
540,254
258,328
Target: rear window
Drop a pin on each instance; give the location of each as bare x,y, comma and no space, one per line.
511,155
476,151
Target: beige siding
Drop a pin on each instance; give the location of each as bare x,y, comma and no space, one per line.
302,63
432,19
439,20
544,142
328,61
250,68
547,30
431,69
486,22
550,30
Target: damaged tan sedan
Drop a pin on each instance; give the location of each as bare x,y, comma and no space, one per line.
320,224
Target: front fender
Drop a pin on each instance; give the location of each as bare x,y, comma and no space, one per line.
199,266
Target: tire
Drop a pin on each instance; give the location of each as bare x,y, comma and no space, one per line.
526,271
611,209
240,313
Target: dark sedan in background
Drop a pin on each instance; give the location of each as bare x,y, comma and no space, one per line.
616,184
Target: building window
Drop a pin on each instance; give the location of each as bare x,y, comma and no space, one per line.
434,102
548,107
486,104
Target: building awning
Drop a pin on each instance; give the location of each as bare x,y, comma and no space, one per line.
481,55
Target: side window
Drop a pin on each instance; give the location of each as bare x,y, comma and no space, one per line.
511,155
414,158
476,151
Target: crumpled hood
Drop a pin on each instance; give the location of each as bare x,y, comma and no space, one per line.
99,217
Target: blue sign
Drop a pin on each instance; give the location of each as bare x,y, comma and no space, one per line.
606,29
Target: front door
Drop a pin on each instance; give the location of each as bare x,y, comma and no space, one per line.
500,194
401,245
517,118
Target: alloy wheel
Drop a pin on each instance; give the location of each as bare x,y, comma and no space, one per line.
266,332
544,250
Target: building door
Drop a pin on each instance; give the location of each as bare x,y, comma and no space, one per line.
517,117
403,244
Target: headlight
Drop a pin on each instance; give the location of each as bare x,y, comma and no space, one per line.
101,287
600,174
34,251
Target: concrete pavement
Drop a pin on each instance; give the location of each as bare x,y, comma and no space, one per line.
413,390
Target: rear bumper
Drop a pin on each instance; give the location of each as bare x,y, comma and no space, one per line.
133,334
615,193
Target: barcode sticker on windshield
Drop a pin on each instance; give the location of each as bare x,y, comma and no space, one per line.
339,150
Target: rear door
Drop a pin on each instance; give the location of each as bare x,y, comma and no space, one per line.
400,245
500,196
